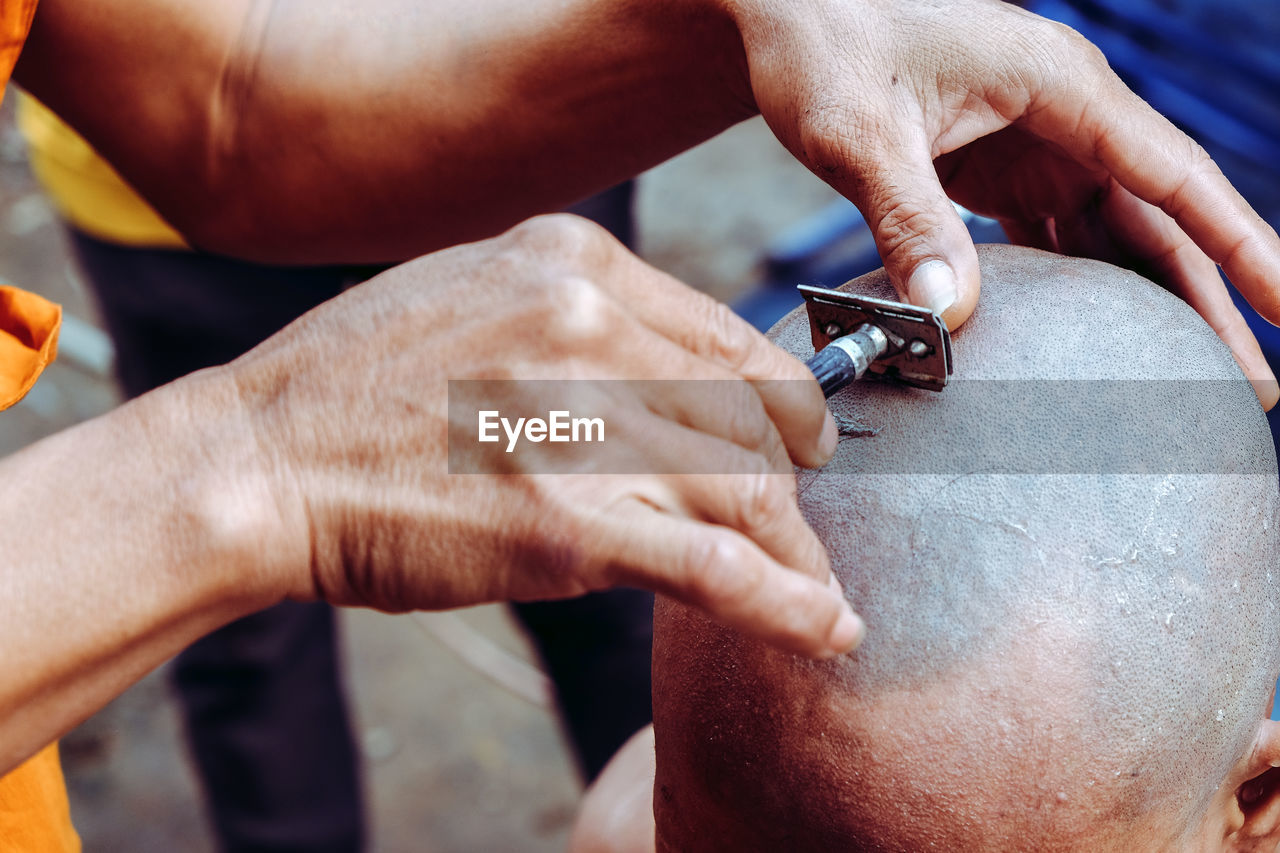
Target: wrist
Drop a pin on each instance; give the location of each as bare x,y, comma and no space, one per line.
222,489
127,538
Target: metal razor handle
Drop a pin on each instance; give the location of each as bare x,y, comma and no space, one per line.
847,358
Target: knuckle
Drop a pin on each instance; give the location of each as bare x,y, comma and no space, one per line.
1056,36
575,311
749,427
1057,54
764,502
1199,167
727,341
1057,39
904,228
560,236
1199,162
511,264
1072,42
555,537
721,571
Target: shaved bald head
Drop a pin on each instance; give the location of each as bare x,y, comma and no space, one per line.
1054,659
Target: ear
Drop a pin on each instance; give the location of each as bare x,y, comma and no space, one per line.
1258,796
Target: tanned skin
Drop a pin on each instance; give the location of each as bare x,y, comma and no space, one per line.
341,131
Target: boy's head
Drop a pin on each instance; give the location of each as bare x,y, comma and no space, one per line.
1068,658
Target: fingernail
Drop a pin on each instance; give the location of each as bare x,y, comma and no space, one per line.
847,633
830,437
833,584
933,286
1267,390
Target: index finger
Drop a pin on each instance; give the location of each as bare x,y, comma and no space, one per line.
726,574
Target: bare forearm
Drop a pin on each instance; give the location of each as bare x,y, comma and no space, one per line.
124,539
326,131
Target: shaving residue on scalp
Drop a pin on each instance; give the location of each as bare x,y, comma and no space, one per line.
849,428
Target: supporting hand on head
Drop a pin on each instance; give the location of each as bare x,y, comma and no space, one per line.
905,106
350,407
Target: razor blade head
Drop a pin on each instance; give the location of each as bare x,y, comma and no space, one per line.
919,352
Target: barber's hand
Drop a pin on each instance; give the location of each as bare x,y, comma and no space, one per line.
349,407
1025,123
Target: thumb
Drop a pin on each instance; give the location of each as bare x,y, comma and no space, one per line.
925,246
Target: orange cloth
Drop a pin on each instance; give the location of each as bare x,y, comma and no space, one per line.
28,341
34,815
28,324
15,21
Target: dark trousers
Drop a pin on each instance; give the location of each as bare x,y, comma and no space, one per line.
262,697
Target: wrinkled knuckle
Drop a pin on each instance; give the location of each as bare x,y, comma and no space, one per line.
764,502
749,426
1199,167
727,341
1199,160
904,229
1064,39
558,545
1093,57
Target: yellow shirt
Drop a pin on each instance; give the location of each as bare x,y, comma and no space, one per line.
34,817
87,191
